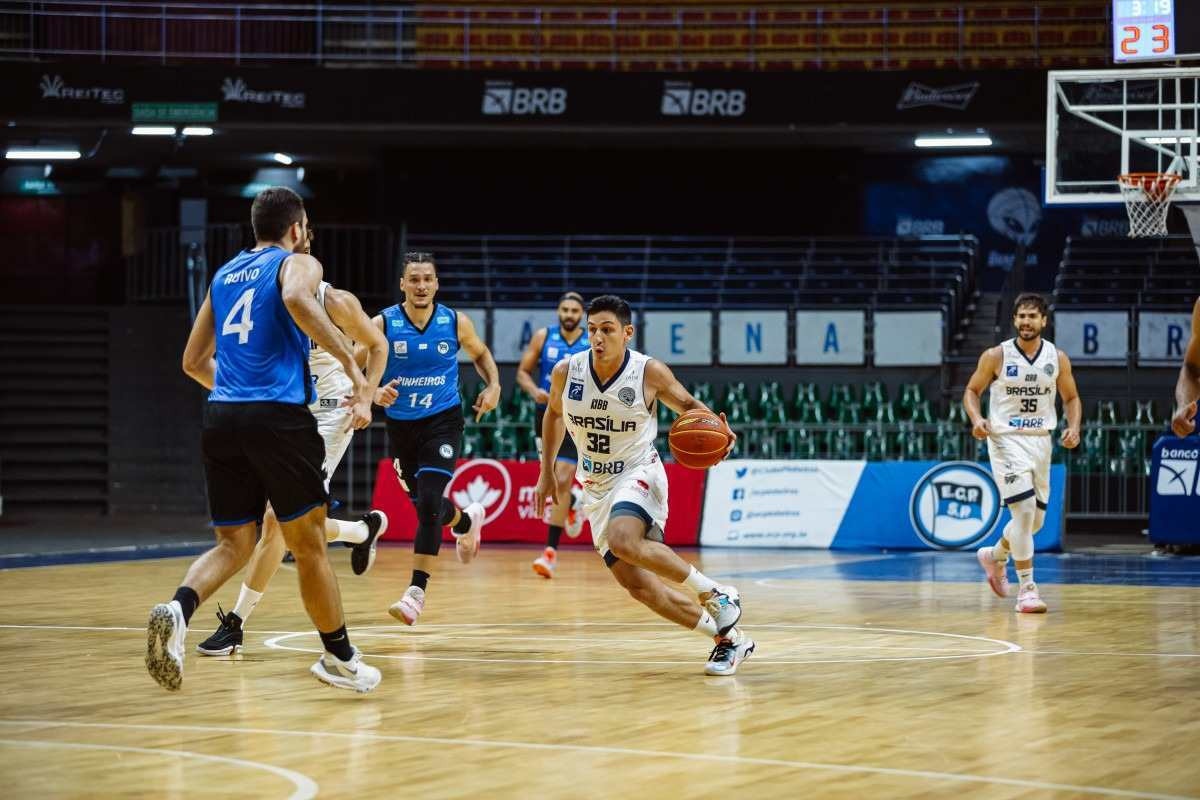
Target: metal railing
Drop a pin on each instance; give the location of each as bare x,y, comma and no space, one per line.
1110,484
798,35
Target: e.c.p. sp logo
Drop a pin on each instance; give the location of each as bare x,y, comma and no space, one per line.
954,505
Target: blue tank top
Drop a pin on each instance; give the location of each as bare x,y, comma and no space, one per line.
424,360
262,355
555,349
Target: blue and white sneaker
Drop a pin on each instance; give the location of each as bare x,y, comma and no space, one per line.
729,653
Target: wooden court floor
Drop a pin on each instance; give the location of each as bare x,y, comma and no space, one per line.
511,686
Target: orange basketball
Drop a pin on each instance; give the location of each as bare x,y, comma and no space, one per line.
698,439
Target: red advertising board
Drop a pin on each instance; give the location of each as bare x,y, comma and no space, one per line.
505,488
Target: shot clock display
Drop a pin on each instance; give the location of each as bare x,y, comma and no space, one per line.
1156,30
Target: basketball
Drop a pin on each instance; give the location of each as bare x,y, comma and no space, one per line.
698,439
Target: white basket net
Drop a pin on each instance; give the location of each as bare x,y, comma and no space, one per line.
1148,199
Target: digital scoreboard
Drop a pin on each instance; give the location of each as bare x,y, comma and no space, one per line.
1156,30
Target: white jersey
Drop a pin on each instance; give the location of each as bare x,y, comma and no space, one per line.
611,426
328,376
1023,395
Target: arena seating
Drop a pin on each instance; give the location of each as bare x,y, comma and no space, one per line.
800,35
665,272
1156,274
847,421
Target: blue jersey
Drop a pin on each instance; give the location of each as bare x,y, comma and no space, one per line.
262,355
424,360
555,349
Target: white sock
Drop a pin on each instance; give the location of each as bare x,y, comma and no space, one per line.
1025,577
698,582
707,626
353,532
247,600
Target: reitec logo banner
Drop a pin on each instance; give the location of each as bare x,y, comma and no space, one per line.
684,99
505,98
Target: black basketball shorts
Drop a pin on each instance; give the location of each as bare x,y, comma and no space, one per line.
566,452
260,452
431,443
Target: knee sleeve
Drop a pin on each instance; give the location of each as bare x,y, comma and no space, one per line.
448,511
429,500
1020,532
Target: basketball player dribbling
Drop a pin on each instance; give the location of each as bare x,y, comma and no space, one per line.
332,384
1025,374
605,399
250,344
1187,388
546,348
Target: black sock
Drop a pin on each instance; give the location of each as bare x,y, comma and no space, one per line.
338,643
463,525
188,601
553,535
420,579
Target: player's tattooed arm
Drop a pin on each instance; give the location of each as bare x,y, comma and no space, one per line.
1187,388
485,365
1072,404
659,383
985,373
198,360
553,431
529,362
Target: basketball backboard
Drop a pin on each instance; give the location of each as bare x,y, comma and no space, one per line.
1104,123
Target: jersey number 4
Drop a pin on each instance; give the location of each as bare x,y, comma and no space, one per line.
243,326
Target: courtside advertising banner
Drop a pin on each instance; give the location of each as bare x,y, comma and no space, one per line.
505,489
906,505
1175,491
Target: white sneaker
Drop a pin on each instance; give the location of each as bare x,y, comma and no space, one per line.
575,515
409,606
545,563
352,674
165,635
467,544
729,653
725,605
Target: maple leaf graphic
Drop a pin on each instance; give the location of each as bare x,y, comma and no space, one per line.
477,491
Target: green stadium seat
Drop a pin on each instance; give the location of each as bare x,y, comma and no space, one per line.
799,443
921,412
773,412
703,392
874,394
949,442
910,396
840,395
1145,413
841,445
956,413
849,414
877,444
505,442
1106,414
884,413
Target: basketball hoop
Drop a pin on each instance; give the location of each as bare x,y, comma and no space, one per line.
1148,199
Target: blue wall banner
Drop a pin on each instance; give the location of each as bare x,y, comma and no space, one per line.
846,505
908,338
1163,337
753,337
678,337
1092,335
512,328
1174,491
830,337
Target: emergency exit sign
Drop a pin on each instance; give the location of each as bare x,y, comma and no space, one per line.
174,112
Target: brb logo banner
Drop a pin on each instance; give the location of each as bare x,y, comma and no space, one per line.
506,99
1175,492
684,99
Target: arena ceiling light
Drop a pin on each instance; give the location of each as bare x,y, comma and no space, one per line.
947,140
197,130
42,154
152,130
282,158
